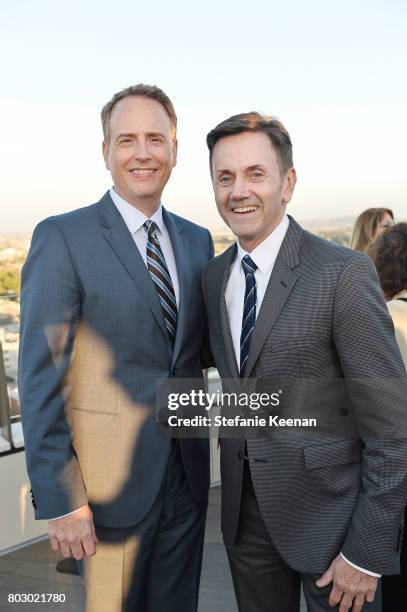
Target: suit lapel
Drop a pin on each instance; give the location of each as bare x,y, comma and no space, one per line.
280,285
121,241
227,260
182,253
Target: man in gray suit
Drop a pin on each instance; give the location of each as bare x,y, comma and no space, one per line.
304,318
111,304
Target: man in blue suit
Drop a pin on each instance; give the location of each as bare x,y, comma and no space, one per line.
111,304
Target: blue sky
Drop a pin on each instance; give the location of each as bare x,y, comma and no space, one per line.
334,73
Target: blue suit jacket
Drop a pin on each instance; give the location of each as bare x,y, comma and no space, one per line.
93,345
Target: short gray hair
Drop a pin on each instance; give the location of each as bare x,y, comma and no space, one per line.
255,122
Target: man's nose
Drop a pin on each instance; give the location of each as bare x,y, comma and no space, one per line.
239,190
142,152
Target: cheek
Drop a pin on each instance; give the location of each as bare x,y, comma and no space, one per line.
221,197
218,204
122,160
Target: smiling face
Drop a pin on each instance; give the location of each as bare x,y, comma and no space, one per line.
250,192
141,152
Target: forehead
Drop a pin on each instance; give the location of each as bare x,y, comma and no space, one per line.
243,150
139,114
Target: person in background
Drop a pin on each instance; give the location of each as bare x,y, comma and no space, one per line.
370,224
389,253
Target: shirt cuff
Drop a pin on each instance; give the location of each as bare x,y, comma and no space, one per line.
361,569
55,518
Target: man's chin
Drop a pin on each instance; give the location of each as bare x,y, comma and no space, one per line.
242,235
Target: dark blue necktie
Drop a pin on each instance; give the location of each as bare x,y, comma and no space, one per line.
249,311
162,280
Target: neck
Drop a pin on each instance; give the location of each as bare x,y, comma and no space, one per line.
249,244
148,206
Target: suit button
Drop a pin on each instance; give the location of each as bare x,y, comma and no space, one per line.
240,455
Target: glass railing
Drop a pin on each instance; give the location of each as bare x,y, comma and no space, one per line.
11,434
11,438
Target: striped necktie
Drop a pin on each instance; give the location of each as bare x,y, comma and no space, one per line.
249,311
162,280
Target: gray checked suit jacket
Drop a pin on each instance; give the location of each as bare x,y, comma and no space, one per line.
323,336
93,348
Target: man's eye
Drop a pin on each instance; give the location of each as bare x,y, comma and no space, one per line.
156,139
125,141
224,179
257,174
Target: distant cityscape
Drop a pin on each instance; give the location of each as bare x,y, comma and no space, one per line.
13,251
335,230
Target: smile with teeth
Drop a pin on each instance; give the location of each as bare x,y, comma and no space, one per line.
244,209
142,172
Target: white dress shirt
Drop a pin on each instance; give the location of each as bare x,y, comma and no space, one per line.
135,219
264,256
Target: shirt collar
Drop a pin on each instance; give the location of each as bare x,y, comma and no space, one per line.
134,218
265,254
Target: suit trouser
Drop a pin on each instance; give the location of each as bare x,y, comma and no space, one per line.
394,588
262,580
153,566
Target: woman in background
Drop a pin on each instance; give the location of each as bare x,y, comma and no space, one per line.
389,253
370,224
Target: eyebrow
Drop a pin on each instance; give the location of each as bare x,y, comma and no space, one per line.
224,171
255,167
248,169
133,135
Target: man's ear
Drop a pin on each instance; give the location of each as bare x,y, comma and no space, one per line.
174,152
290,180
105,151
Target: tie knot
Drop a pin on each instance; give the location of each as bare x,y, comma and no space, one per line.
249,267
151,227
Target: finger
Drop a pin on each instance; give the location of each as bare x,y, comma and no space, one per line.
325,578
358,603
89,546
54,544
370,595
77,551
65,548
95,538
346,602
335,596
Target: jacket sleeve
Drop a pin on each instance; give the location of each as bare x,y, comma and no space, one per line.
50,311
377,386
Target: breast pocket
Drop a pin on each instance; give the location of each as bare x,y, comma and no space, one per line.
93,423
290,344
280,360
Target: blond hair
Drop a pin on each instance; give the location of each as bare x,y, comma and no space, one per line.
365,227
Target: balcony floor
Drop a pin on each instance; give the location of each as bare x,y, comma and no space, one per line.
32,570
